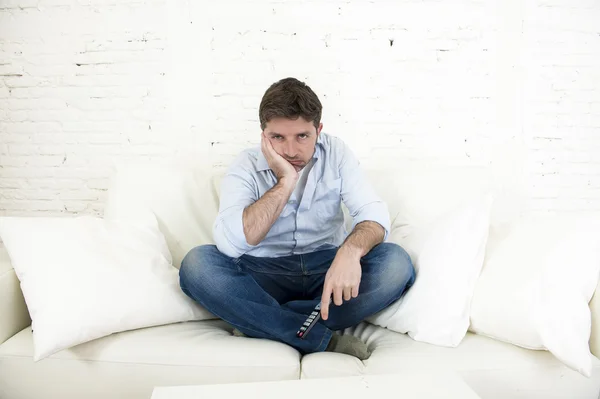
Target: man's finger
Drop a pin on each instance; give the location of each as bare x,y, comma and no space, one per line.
347,293
268,144
337,296
263,144
355,291
265,141
325,300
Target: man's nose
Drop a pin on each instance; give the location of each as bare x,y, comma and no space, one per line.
290,150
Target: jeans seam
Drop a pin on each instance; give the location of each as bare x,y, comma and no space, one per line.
316,272
303,286
302,268
290,274
322,346
201,302
237,262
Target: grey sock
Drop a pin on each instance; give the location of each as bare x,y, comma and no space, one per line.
350,345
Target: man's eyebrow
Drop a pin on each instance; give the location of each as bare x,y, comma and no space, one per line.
297,134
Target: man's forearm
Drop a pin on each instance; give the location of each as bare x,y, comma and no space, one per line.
260,216
363,238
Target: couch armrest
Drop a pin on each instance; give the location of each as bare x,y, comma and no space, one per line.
13,311
595,309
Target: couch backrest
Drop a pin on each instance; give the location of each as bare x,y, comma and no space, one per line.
185,200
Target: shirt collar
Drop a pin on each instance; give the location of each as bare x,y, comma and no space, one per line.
263,165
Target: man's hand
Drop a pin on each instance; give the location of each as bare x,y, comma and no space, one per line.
281,167
342,280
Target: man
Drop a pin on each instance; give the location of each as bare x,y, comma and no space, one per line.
281,245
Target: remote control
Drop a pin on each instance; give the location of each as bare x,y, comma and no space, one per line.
310,322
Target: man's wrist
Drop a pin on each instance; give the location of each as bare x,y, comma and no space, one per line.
351,250
287,182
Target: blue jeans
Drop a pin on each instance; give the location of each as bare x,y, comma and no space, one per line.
271,297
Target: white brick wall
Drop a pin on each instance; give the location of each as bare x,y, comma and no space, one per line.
84,84
561,125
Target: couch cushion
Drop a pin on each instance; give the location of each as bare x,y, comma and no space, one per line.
493,369
130,364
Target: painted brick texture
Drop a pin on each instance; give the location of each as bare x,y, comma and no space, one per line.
514,86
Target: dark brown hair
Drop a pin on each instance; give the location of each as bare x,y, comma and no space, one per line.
290,98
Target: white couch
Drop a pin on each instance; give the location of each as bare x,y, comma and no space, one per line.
130,364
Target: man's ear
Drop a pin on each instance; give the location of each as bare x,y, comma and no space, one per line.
319,129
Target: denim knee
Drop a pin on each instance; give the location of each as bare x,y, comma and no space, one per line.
193,268
394,266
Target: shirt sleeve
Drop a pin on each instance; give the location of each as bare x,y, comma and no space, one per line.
358,195
237,192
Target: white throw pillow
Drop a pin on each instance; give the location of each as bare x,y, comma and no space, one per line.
448,255
535,288
84,278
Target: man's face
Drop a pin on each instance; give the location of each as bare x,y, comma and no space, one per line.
293,139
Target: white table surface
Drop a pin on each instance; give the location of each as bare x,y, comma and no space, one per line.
405,386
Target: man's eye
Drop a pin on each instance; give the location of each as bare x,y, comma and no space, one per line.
303,136
277,137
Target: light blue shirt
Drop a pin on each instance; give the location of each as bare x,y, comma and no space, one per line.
316,222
